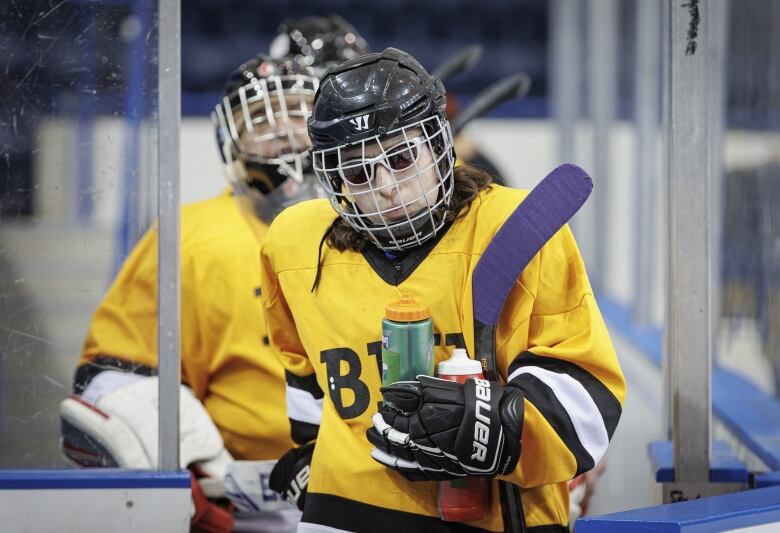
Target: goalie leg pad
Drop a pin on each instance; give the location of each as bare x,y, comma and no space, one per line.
92,437
124,420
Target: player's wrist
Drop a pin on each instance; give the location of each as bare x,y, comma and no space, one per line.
512,410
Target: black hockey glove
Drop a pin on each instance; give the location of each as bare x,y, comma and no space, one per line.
434,429
290,475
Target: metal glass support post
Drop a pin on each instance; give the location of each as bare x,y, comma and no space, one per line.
168,164
646,176
666,128
688,318
602,85
689,246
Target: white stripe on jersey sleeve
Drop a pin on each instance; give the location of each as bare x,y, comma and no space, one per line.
582,410
302,406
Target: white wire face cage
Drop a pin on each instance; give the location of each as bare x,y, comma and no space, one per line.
264,123
394,189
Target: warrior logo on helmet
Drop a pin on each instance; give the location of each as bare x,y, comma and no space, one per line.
359,123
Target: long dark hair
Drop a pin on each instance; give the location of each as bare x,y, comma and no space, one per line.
468,182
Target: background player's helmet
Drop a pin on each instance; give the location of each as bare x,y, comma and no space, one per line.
376,97
261,132
318,42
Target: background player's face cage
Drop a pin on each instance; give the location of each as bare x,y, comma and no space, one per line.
264,122
395,189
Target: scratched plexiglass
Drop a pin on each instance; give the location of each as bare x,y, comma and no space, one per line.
78,94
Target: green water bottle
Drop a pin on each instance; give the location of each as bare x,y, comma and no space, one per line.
407,341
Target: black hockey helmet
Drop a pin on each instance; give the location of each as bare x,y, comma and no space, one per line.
318,41
390,88
379,98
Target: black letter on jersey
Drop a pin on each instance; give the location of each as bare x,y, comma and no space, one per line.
351,380
375,349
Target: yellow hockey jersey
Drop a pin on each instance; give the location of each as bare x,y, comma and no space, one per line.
225,356
551,342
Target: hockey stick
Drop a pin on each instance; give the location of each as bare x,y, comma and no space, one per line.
514,86
539,216
461,61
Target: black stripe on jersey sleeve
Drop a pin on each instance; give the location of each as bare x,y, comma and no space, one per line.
86,372
303,432
544,399
306,383
605,401
348,515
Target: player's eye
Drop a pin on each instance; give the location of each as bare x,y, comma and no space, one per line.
401,158
355,174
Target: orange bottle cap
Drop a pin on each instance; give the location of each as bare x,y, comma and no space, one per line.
407,310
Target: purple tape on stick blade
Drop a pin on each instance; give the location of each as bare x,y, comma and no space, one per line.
539,216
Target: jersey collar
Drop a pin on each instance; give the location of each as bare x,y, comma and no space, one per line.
396,267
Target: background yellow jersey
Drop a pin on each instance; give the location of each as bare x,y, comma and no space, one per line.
224,349
550,320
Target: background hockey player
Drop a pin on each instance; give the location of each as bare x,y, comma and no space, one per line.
402,217
232,404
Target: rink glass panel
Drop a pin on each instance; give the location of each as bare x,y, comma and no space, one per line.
77,189
748,336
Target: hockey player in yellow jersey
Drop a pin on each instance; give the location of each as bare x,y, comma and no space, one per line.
227,365
402,218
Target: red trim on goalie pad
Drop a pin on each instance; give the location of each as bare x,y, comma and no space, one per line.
85,403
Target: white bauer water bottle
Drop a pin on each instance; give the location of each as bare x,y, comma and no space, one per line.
462,500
